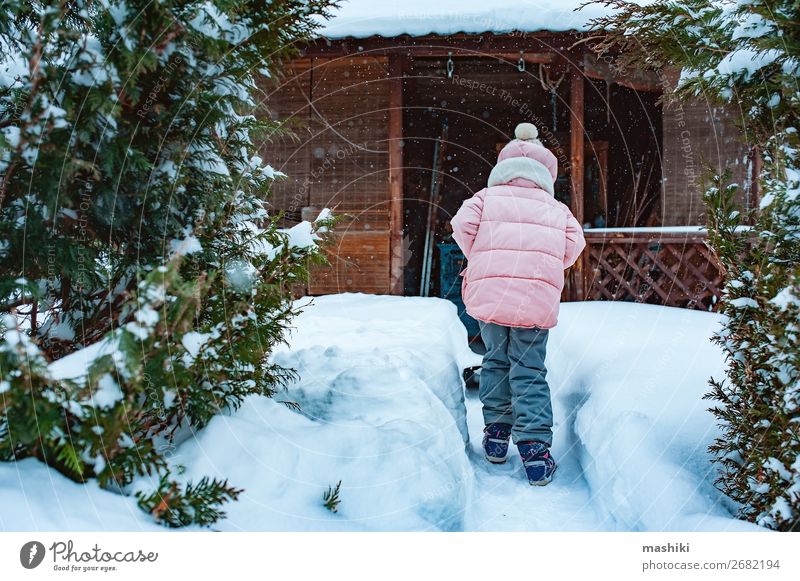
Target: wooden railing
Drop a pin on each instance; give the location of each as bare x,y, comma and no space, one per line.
666,267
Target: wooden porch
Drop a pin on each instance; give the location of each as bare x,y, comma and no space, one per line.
358,153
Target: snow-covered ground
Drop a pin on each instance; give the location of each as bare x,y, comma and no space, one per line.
631,430
382,409
35,498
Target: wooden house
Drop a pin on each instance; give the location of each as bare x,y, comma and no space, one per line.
388,124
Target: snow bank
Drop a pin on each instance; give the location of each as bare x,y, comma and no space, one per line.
381,409
633,377
35,498
363,18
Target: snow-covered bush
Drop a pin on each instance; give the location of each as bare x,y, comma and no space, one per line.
133,223
745,53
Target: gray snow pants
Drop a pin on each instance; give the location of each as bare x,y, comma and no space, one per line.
513,384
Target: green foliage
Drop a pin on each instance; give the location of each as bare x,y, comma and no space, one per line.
125,140
331,499
197,504
133,221
758,402
744,54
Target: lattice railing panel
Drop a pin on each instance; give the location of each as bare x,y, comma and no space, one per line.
678,271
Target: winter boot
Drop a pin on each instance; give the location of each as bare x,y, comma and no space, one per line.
495,442
538,462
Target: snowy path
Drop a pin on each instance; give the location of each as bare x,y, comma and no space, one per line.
382,409
504,501
631,429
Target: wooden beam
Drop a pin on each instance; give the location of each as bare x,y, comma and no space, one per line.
396,250
487,44
599,151
577,144
546,58
636,79
644,236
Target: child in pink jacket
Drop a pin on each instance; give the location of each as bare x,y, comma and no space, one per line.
518,239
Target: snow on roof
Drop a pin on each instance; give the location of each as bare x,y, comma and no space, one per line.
363,18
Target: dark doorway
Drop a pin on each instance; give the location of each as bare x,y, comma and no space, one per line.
480,103
480,100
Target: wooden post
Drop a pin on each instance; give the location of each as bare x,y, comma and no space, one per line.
396,259
756,168
576,130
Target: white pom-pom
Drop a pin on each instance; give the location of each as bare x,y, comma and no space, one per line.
526,132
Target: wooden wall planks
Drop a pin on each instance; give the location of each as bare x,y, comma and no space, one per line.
359,263
341,161
289,150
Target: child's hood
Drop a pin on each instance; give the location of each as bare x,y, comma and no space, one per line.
525,157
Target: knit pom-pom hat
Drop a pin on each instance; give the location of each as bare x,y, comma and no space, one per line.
525,157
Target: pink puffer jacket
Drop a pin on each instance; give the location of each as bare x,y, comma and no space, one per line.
517,238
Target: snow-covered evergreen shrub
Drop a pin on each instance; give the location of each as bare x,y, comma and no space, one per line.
745,53
133,224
